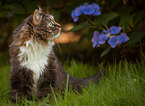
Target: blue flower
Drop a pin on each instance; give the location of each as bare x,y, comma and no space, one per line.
95,39
75,18
114,30
113,41
79,10
105,31
99,38
96,36
92,9
103,38
88,10
122,38
96,44
96,9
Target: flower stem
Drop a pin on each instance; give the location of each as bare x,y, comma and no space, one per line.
93,23
106,26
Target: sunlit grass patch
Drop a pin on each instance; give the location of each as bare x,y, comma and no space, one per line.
122,85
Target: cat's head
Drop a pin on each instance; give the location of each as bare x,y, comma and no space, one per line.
45,28
39,27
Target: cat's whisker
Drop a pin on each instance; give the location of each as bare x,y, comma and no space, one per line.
59,49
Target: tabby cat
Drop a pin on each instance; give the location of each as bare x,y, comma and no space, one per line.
34,66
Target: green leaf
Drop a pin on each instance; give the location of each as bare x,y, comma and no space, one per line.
139,16
135,37
80,26
124,19
104,19
106,51
16,8
124,13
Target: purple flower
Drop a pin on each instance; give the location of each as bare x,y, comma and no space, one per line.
122,38
96,44
88,10
75,18
79,10
105,31
96,36
114,30
96,9
92,9
95,39
113,41
103,38
99,38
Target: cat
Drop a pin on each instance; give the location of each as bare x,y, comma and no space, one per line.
34,67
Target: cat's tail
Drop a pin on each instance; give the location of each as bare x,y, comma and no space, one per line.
78,84
95,78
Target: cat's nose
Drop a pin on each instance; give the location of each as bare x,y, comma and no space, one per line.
57,28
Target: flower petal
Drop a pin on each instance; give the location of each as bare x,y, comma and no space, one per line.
76,19
103,38
122,38
114,30
96,6
96,9
96,44
105,31
88,10
113,41
79,10
95,39
96,34
73,14
96,13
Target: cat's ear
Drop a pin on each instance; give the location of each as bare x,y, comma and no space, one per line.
37,17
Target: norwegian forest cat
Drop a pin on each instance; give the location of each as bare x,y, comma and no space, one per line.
34,66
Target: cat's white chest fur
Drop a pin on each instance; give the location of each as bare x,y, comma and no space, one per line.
35,57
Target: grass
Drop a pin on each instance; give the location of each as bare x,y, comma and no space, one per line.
124,85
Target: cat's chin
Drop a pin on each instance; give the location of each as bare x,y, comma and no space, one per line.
57,35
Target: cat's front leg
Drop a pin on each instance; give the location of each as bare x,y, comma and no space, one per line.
17,95
46,84
44,92
21,83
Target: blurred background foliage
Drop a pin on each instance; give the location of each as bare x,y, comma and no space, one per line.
130,14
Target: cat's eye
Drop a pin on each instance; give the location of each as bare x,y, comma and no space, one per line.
50,24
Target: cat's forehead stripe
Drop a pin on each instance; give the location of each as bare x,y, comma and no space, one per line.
47,15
